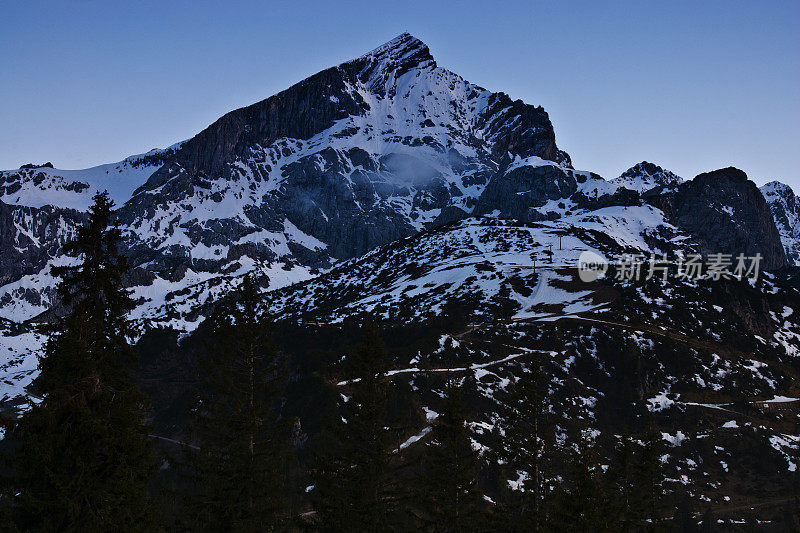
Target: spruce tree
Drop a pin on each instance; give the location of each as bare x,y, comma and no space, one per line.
650,473
448,487
83,460
351,491
580,502
709,524
529,437
683,520
634,478
620,480
236,463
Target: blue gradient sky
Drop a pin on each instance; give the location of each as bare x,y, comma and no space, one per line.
691,86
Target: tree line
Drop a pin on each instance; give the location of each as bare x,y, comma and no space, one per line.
82,457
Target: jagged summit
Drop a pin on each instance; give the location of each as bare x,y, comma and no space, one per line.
389,187
776,187
403,48
380,68
644,176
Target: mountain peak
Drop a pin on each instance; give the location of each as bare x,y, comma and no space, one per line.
645,176
403,45
644,168
400,55
776,187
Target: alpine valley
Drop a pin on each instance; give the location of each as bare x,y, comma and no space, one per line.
389,188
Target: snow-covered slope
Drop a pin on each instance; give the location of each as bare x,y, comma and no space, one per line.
40,207
492,265
38,186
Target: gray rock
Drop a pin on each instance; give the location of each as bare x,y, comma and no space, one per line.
30,236
516,193
725,213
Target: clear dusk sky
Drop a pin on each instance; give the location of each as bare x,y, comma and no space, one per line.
691,86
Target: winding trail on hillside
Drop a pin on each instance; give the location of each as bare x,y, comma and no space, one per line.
472,367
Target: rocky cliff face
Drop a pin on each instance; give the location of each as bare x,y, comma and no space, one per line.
726,213
785,209
30,238
533,189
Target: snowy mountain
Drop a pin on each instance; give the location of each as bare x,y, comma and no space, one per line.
373,150
786,211
353,157
357,156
